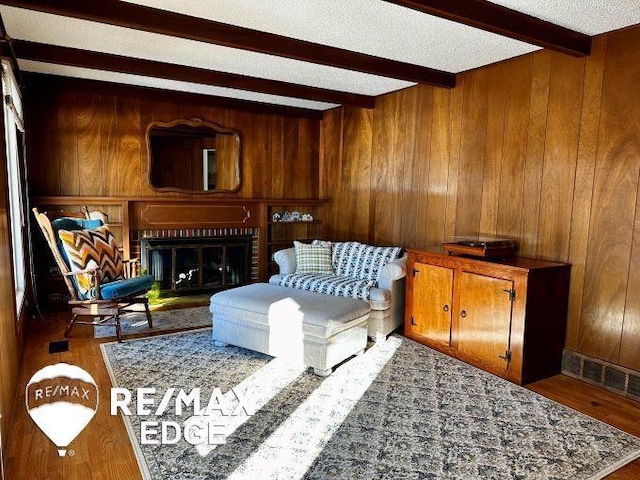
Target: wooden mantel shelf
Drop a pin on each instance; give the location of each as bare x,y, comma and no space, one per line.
184,212
73,200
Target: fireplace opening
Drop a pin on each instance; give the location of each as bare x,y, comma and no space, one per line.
184,266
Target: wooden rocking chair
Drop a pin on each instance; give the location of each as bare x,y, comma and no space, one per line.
102,285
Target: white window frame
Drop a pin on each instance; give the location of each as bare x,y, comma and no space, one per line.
13,119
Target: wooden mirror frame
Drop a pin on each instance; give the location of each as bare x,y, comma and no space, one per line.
195,123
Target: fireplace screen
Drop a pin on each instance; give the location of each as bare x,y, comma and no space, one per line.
192,265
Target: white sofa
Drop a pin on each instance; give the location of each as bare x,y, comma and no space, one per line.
386,296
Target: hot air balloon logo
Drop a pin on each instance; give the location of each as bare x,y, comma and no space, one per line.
62,399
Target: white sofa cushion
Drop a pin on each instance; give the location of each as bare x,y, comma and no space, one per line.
337,285
379,298
358,260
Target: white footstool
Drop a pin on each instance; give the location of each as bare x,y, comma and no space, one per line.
316,329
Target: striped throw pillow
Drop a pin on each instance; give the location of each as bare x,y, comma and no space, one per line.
91,249
313,258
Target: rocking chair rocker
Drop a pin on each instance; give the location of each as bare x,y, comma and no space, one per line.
102,285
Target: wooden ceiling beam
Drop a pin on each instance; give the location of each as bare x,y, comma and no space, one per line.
49,81
154,20
115,63
495,18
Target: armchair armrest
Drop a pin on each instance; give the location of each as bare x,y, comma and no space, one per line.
92,271
286,260
94,275
392,271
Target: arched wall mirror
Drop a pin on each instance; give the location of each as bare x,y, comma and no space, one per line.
193,156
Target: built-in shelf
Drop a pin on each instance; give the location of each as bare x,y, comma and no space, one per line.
281,234
297,222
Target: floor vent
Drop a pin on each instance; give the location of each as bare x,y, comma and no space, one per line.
571,363
617,379
633,386
57,347
592,370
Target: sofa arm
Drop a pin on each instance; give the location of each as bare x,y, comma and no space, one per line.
379,298
391,272
286,260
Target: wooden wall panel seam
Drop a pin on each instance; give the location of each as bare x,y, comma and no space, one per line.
575,170
587,154
561,146
535,153
435,225
454,158
493,153
426,160
636,220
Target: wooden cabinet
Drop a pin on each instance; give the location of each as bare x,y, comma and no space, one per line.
431,317
484,319
507,317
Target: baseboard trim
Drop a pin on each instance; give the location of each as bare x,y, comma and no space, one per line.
617,379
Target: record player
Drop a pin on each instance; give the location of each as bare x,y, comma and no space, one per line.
480,246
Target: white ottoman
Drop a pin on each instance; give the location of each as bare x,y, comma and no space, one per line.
316,329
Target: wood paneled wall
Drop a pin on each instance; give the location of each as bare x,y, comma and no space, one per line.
544,148
88,140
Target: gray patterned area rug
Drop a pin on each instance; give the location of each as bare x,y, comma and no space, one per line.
163,321
399,411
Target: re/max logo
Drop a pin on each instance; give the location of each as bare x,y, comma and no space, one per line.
204,425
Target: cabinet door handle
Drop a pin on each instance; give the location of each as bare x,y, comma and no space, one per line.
463,313
446,308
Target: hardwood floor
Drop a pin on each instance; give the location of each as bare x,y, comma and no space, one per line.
597,403
102,451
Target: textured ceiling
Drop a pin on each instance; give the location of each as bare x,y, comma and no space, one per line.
372,27
587,16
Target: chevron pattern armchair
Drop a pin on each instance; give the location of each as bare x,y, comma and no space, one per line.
102,284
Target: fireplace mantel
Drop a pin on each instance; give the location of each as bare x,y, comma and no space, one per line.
154,214
130,216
